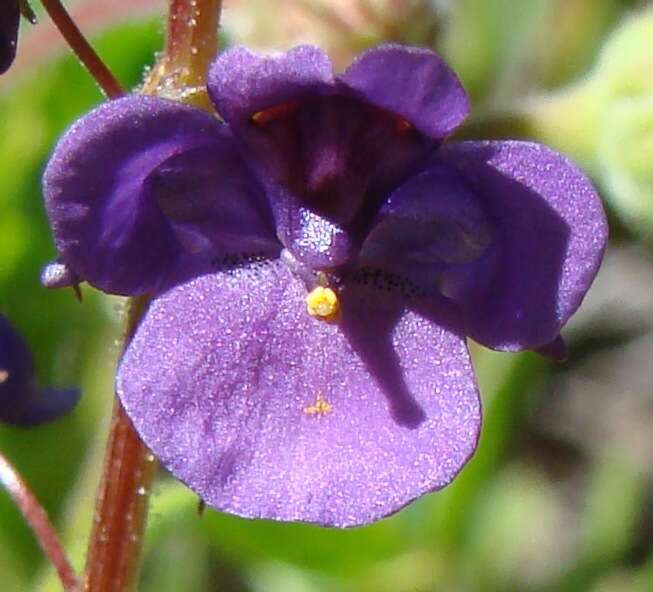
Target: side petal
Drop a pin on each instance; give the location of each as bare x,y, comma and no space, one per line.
22,402
9,20
431,223
551,233
414,83
213,201
113,218
266,412
242,83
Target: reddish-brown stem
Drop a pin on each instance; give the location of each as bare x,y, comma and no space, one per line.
117,536
192,40
86,54
39,522
115,546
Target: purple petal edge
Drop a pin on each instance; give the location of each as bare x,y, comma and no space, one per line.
412,82
108,228
551,236
22,402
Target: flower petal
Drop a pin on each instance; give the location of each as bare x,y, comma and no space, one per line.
114,221
213,201
9,20
316,241
431,223
551,233
266,412
22,402
241,82
413,83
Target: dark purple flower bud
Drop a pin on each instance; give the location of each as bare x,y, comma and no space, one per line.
22,401
318,261
9,18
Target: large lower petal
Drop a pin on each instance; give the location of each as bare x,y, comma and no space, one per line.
267,412
550,235
138,186
413,83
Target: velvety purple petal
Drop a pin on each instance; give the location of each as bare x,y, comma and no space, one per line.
242,82
267,412
551,233
430,224
414,83
22,402
9,20
213,201
114,219
316,241
329,162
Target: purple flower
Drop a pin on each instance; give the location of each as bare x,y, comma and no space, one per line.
22,402
9,18
318,261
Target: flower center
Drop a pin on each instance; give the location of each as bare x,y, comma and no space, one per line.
323,304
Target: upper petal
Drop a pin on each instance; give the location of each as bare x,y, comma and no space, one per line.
266,412
9,20
242,82
412,82
550,236
22,402
116,182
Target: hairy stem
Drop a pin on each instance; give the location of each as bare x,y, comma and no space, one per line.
116,542
39,522
113,558
191,44
192,38
86,54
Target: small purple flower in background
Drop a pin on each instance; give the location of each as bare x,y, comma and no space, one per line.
10,12
9,19
22,401
318,261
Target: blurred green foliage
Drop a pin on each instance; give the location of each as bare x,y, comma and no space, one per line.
533,511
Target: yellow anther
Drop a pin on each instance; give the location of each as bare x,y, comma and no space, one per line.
4,375
322,303
320,407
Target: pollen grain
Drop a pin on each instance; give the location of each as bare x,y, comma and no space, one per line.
320,407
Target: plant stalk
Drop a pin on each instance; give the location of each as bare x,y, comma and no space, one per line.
114,550
38,520
115,547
